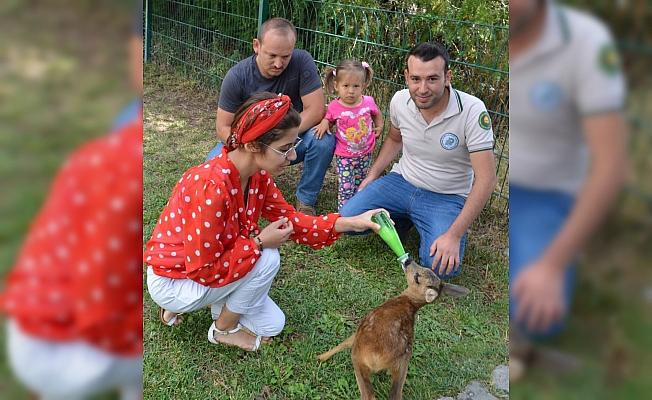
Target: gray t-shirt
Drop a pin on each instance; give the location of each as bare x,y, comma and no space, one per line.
244,79
436,156
570,73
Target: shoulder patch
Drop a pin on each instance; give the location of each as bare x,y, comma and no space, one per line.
484,121
609,59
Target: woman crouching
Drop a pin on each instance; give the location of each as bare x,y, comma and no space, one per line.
207,248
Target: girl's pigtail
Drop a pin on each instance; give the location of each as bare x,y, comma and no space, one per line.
368,73
329,80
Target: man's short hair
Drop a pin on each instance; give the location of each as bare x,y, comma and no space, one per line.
427,51
276,24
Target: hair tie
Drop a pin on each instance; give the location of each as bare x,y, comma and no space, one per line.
334,72
364,65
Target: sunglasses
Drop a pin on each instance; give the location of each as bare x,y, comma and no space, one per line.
288,151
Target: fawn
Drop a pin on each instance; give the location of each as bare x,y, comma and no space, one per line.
383,341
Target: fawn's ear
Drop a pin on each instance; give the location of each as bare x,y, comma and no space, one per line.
454,290
431,295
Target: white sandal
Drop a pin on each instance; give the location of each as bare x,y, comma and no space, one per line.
213,330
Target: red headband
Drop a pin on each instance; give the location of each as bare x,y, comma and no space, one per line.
259,119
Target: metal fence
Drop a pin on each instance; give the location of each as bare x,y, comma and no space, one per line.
204,38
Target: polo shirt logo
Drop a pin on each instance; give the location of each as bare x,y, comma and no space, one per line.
609,59
546,96
484,121
449,141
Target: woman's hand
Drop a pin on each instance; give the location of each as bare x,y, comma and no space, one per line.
358,223
276,233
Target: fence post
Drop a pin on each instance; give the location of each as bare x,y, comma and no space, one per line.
148,29
263,12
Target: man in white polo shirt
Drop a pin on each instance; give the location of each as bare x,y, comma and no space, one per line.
446,172
567,152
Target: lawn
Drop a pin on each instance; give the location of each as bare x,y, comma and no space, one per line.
324,293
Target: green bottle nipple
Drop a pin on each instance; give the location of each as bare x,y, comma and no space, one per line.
388,233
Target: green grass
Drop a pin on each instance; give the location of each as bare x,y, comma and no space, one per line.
324,294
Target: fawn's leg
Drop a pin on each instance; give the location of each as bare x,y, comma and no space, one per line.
362,377
399,372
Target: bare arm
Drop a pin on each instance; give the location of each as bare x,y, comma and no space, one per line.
358,223
446,247
606,137
378,124
540,287
484,171
223,122
391,147
313,110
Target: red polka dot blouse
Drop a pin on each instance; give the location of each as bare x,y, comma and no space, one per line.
205,232
79,273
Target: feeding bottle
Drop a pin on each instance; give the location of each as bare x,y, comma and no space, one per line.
388,233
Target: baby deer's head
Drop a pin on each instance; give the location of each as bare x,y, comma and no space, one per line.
424,286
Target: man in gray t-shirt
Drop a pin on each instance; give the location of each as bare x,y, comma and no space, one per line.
446,172
278,67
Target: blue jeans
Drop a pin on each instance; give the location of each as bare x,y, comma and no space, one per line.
535,218
316,155
432,213
127,114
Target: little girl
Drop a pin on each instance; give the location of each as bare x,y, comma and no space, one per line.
358,122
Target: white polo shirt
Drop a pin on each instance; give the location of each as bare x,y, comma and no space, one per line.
436,155
572,72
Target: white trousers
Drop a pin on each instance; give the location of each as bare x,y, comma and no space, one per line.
248,296
71,370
